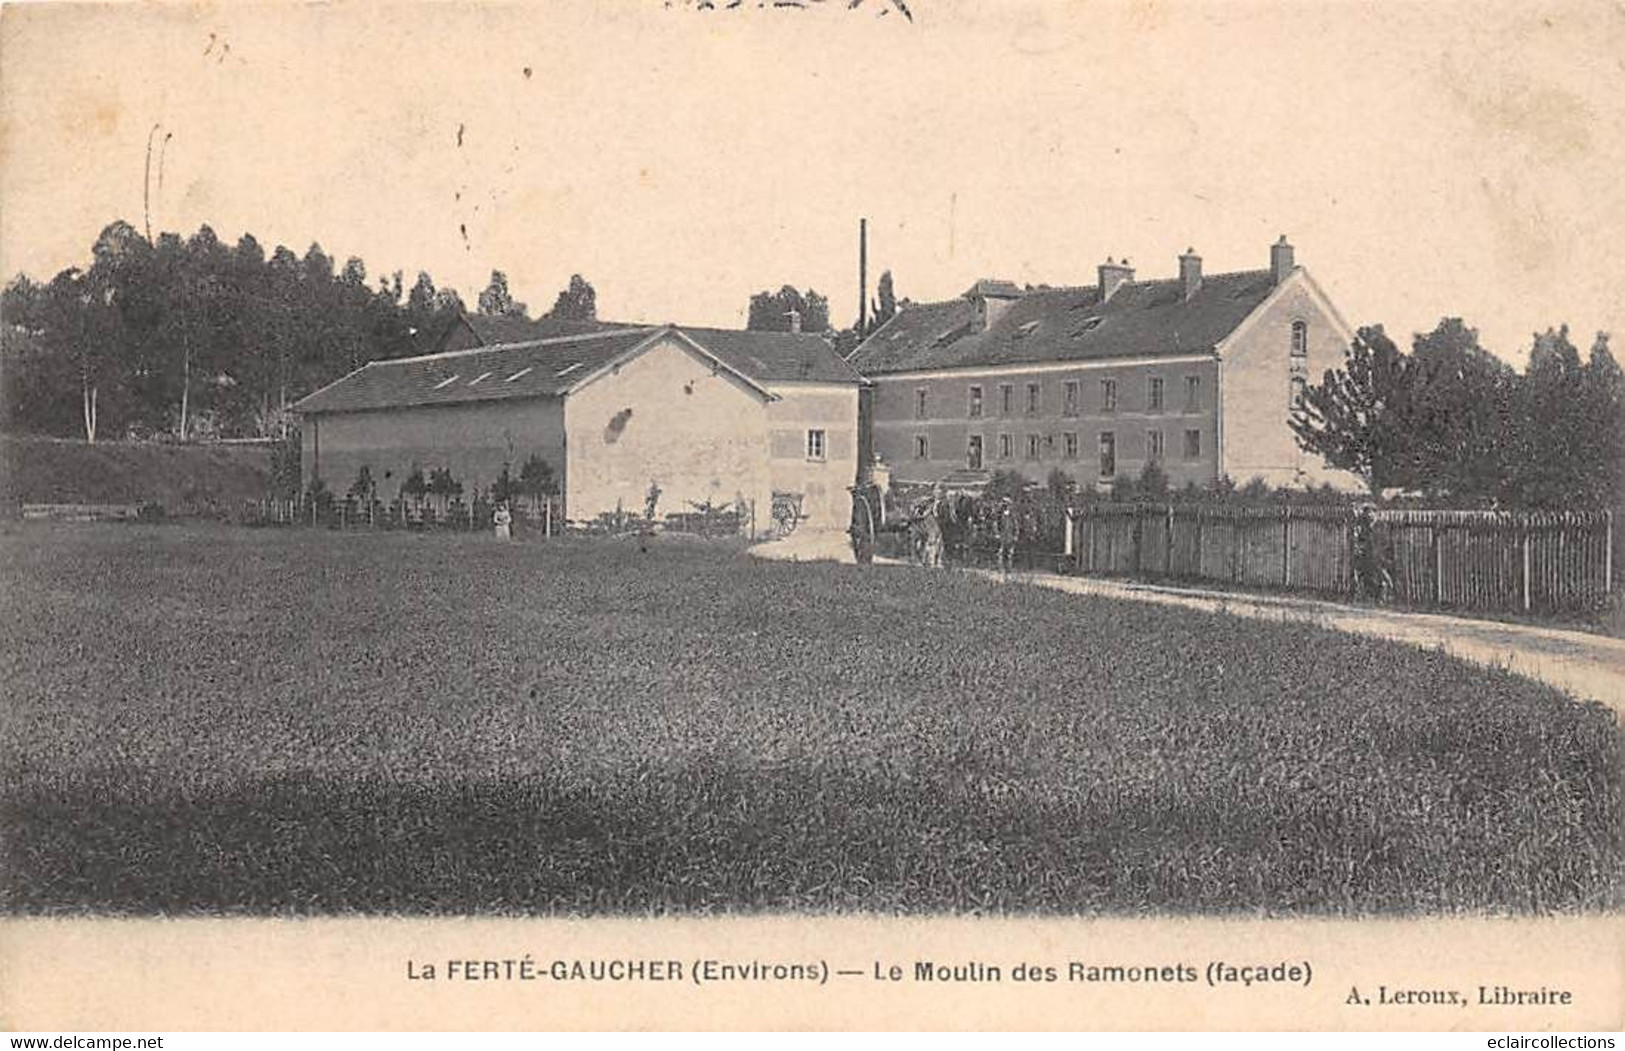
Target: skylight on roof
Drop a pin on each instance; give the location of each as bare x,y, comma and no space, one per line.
568,369
1026,330
448,381
1089,325
476,379
521,372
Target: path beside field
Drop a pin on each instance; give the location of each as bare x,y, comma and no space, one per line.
1591,667
824,545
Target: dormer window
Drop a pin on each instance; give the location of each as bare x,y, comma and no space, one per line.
989,300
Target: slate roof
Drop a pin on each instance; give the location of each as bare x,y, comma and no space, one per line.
991,286
775,357
1143,319
549,367
516,370
492,330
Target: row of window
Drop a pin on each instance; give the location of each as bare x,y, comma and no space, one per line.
1155,449
1071,398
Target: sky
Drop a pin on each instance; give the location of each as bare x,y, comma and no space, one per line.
1425,159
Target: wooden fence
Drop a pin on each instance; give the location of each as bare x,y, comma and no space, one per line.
537,517
541,516
1470,560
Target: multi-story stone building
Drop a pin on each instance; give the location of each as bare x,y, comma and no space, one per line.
1197,373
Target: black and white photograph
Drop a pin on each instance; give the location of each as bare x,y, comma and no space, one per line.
1026,504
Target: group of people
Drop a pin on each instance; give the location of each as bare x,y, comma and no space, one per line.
933,518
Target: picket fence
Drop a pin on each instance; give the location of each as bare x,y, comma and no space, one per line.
1469,560
541,518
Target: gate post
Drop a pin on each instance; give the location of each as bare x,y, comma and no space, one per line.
1286,546
1526,567
1168,545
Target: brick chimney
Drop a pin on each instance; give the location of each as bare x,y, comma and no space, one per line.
1281,265
1190,272
1113,275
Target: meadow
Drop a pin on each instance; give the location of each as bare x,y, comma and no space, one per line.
209,719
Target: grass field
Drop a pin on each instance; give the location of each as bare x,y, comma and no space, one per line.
208,719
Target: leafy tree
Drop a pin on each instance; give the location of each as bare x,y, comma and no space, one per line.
1603,409
1153,482
420,301
38,384
771,311
415,486
1062,486
363,488
443,485
579,302
1551,466
884,307
1355,417
536,481
1461,415
188,335
505,488
497,301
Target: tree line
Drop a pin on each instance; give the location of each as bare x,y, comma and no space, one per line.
1449,420
190,337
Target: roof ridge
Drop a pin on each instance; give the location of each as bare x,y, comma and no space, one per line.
488,347
1040,290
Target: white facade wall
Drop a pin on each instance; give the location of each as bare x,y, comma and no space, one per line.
1256,387
668,417
823,482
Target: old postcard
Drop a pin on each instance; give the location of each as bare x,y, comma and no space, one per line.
811,514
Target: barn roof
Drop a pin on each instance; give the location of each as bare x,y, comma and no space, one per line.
516,370
1141,319
547,367
775,357
507,328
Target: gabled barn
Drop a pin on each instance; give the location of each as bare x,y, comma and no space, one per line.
709,416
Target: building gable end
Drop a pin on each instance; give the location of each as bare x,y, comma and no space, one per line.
688,345
1299,279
